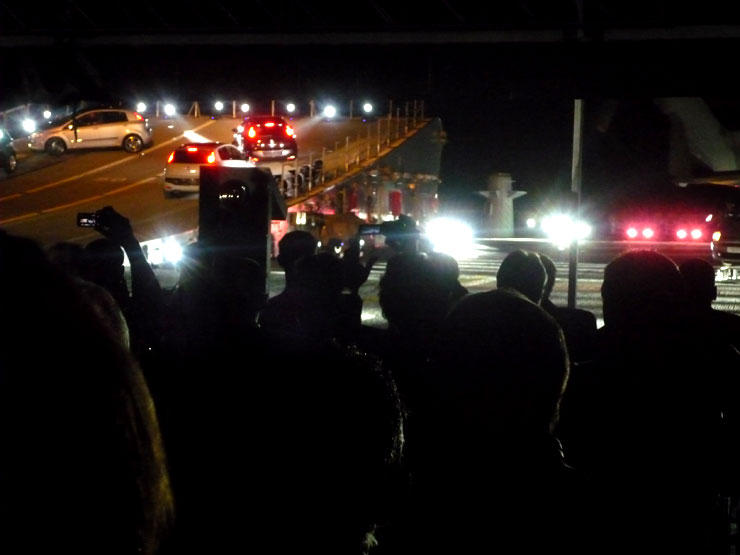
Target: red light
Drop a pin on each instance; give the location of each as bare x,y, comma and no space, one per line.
696,233
139,117
172,157
192,149
291,157
647,233
211,158
288,130
270,124
632,233
255,159
681,234
251,133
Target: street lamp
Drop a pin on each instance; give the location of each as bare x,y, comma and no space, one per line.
291,107
245,107
219,105
330,111
141,107
367,107
169,110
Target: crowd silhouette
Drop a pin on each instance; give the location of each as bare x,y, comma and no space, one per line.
209,418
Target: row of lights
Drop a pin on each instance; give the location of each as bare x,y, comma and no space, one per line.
170,110
329,112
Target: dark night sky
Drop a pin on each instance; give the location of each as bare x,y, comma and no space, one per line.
505,107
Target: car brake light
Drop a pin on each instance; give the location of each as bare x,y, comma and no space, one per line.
211,158
255,159
647,233
681,234
192,149
288,130
632,233
716,235
291,157
172,157
270,124
696,233
139,117
251,133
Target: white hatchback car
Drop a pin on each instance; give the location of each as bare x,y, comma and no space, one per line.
182,173
93,128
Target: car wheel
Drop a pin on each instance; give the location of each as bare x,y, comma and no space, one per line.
132,143
11,164
55,147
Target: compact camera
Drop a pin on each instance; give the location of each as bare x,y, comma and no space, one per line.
87,219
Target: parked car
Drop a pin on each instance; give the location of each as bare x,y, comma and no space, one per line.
266,138
182,173
8,158
93,128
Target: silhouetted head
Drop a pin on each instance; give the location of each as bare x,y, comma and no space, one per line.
324,439
698,275
70,257
449,274
523,271
293,246
504,364
412,294
104,266
82,456
641,288
551,272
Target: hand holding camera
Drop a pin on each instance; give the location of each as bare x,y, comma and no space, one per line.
108,222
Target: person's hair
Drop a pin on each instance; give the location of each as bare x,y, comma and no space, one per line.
83,463
522,271
641,287
502,360
699,276
326,444
551,272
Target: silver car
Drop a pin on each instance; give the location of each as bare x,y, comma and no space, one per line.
97,128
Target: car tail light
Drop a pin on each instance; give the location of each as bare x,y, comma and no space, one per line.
255,159
252,133
288,130
631,233
696,234
211,158
716,235
139,117
648,233
192,149
291,157
270,124
681,234
171,158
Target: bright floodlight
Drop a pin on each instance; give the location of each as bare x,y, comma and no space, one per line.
562,230
696,233
29,126
681,234
172,250
245,107
219,105
648,233
141,107
291,107
47,114
531,223
330,111
632,233
451,237
169,110
367,107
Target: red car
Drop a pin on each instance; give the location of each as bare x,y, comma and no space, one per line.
266,138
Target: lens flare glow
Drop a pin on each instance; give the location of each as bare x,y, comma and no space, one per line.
562,230
451,237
